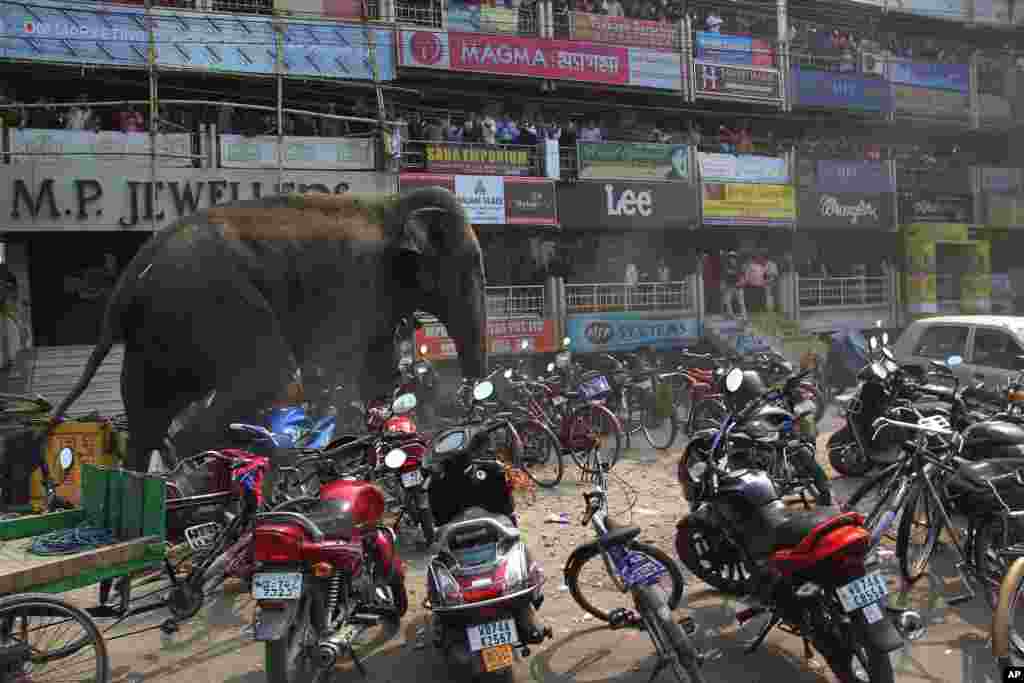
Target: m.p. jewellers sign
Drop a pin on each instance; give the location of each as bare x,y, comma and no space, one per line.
845,210
35,198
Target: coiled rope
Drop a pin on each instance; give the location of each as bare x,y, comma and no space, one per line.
71,541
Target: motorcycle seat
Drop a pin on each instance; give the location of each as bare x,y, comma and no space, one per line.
789,527
327,520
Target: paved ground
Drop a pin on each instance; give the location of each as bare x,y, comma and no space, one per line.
215,646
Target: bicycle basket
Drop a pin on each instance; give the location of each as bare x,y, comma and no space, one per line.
595,387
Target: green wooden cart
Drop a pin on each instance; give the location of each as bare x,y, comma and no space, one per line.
132,507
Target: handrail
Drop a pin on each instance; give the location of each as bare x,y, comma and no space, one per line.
613,296
513,301
833,292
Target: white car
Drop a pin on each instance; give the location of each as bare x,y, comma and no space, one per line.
992,346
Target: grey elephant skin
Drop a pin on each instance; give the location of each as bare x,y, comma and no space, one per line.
232,299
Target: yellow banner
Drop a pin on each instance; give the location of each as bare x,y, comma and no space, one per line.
748,204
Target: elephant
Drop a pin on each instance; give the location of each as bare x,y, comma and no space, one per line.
234,298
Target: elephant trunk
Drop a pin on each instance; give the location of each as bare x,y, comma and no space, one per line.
468,327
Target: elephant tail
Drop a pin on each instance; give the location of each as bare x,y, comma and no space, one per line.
99,353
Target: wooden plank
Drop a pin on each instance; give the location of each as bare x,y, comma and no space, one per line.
94,495
21,570
33,525
115,500
131,507
154,507
92,577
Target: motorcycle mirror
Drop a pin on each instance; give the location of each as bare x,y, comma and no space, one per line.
954,361
733,380
887,352
67,458
873,343
395,459
525,344
566,341
508,374
403,404
483,391
551,367
885,339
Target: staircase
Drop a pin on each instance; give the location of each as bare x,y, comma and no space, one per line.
51,371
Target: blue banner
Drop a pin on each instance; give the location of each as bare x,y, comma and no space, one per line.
861,177
956,77
627,331
720,48
743,168
845,91
475,17
117,35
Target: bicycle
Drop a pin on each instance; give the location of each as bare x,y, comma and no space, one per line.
634,398
636,569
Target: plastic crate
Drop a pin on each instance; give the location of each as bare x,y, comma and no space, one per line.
90,443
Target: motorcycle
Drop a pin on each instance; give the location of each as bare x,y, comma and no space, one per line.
805,568
324,576
483,586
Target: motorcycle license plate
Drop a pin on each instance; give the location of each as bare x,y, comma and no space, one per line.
410,479
805,408
637,569
863,592
492,635
497,658
646,384
277,586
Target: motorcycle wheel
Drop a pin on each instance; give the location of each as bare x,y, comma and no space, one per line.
287,659
707,414
846,456
707,552
670,640
840,651
427,526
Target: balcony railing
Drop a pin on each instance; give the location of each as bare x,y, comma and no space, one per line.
516,301
471,158
646,296
427,13
838,292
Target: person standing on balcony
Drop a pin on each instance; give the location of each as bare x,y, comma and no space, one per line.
632,280
488,129
81,117
615,8
453,133
713,22
664,274
732,286
472,130
507,132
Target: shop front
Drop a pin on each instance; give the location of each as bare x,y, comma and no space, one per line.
845,244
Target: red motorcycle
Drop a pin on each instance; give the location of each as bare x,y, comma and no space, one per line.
324,576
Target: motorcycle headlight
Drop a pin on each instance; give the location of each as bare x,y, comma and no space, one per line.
442,585
516,572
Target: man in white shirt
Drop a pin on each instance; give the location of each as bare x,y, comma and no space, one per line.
713,22
632,280
489,128
615,8
80,117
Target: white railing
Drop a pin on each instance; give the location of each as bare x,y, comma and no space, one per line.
835,292
646,296
515,301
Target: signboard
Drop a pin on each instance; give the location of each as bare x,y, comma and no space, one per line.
743,168
84,196
930,103
38,143
495,200
239,151
933,75
845,210
953,10
721,48
478,17
736,83
936,208
999,180
629,330
503,337
624,205
841,91
639,160
601,28
743,204
479,159
535,58
46,32
865,177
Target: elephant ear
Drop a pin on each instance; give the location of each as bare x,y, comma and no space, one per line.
422,233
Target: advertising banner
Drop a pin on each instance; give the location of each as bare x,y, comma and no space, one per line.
535,58
865,177
1004,211
628,330
478,17
84,195
54,146
846,210
936,208
503,337
629,160
117,35
1000,180
601,28
743,204
736,83
841,91
622,205
953,10
721,48
494,200
477,159
955,77
743,168
926,102
239,151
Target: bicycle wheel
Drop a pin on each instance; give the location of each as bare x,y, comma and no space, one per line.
682,402
46,639
990,563
590,586
1008,619
541,457
918,533
707,414
594,437
669,639
659,430
870,498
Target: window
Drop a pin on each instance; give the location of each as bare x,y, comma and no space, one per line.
995,348
942,341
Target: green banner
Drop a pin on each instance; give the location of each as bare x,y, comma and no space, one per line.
633,161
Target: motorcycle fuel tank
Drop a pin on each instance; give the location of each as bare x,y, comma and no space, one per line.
989,434
365,500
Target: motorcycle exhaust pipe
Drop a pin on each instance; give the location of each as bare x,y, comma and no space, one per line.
330,647
910,625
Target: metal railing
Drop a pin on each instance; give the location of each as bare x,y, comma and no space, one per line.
837,292
427,13
645,296
515,301
471,157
